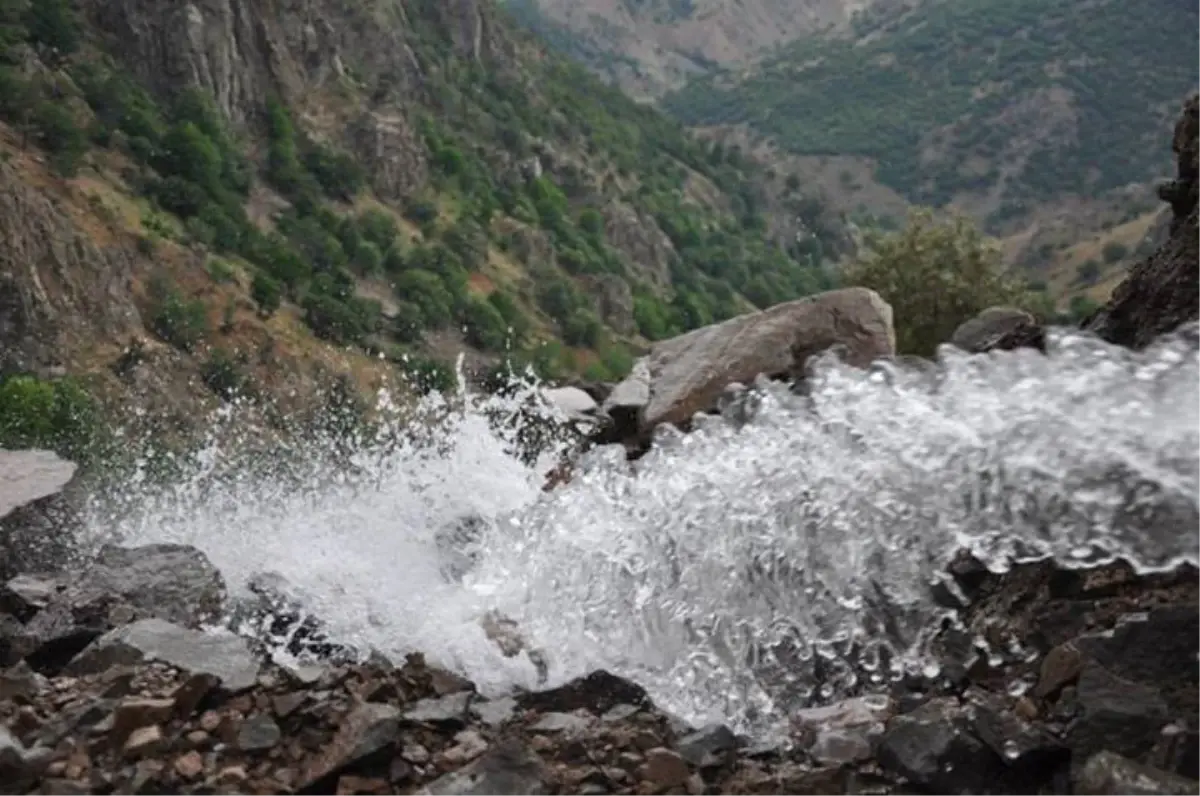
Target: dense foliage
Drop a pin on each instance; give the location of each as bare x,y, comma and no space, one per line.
974,82
599,149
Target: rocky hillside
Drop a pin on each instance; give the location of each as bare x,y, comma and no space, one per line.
225,198
1038,119
648,47
993,105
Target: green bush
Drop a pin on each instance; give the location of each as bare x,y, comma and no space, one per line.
486,328
223,375
55,415
62,137
53,26
1114,252
1088,273
267,293
180,322
407,322
582,328
429,375
340,320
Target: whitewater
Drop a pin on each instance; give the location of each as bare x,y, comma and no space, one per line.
736,572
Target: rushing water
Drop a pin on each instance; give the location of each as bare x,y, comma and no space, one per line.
728,566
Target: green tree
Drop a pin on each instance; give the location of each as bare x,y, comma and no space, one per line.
61,136
12,28
53,26
935,273
267,293
1114,252
188,153
485,326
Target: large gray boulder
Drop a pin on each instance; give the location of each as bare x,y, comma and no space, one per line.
688,374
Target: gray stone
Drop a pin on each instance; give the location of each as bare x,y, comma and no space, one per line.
1116,715
708,746
26,594
494,712
257,733
449,710
506,768
168,581
560,722
30,475
619,713
843,731
932,747
1014,739
225,656
986,329
12,751
370,730
1110,774
35,516
572,401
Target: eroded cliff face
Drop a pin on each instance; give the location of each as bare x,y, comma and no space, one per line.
246,51
1163,291
60,287
75,300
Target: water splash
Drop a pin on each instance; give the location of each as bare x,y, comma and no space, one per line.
740,570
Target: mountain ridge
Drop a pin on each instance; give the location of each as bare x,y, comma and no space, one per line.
1037,119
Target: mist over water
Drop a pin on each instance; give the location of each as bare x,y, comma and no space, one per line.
731,570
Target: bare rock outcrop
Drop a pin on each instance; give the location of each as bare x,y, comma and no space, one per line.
1163,291
58,286
31,503
640,240
688,374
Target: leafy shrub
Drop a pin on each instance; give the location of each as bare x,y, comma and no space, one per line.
1088,273
56,415
407,322
223,375
486,328
267,293
62,137
582,328
180,322
429,375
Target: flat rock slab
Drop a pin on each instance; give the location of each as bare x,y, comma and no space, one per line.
26,476
225,656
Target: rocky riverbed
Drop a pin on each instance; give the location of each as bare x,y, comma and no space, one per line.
116,681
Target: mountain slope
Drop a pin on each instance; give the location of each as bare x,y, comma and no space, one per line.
650,46
402,178
997,105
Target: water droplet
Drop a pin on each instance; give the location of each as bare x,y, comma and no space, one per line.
931,670
1017,688
1011,750
995,661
